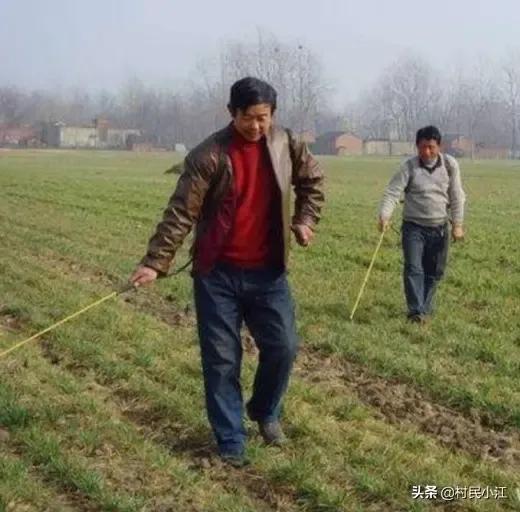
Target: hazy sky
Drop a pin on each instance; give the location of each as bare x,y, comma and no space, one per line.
98,44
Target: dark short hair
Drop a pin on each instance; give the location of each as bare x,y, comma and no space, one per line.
428,133
250,91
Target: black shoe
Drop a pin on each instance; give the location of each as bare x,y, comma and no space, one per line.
236,460
272,433
417,319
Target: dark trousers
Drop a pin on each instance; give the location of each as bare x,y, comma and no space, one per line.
425,252
224,299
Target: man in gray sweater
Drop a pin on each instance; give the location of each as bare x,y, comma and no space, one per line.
432,190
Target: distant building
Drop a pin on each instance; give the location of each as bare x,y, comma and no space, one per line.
457,144
386,147
376,147
307,137
402,148
99,136
142,147
461,146
19,136
338,143
496,151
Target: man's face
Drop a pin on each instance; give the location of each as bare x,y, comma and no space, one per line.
255,122
428,150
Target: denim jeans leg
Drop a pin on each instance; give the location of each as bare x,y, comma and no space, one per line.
434,263
413,276
219,318
270,317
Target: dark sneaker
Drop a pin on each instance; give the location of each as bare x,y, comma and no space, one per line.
272,433
426,319
417,319
236,460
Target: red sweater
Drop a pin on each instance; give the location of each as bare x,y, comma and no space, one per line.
255,237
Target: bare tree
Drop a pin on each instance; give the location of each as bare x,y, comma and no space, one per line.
11,105
478,101
292,68
511,93
403,98
409,93
476,92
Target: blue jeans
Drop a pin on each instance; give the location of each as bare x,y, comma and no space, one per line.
425,255
224,299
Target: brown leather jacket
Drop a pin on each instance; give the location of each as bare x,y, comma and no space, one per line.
199,197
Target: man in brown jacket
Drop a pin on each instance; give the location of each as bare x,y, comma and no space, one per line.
236,188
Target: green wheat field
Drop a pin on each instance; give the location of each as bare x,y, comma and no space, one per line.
106,412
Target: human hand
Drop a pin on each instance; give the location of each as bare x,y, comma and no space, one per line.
383,224
142,276
457,233
303,234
